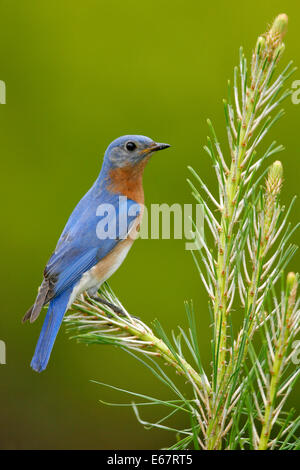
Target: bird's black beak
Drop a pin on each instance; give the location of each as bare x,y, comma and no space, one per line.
154,148
157,147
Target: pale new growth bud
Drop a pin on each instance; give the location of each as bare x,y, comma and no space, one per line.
292,285
274,178
274,36
273,186
279,51
260,45
279,26
290,280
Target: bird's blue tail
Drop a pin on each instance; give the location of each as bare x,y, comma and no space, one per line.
52,322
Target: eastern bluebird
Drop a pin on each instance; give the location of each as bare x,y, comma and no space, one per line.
82,259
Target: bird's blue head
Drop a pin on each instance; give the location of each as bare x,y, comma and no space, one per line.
124,163
130,150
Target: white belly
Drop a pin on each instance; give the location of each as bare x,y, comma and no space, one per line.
92,279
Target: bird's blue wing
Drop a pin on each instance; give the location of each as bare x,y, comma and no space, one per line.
83,243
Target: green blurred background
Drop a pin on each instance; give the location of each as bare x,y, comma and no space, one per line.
78,75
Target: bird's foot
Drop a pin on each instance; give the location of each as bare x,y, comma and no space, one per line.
116,309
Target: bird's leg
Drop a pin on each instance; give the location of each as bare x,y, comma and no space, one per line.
116,309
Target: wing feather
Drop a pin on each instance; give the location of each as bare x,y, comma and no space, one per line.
79,248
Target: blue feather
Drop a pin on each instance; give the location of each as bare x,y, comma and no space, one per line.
77,251
80,247
49,331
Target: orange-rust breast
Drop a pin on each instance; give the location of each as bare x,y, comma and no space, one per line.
128,181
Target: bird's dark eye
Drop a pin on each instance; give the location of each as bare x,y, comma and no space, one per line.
130,146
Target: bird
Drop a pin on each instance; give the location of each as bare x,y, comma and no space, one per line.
85,256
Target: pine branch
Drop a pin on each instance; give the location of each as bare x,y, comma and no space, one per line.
241,404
